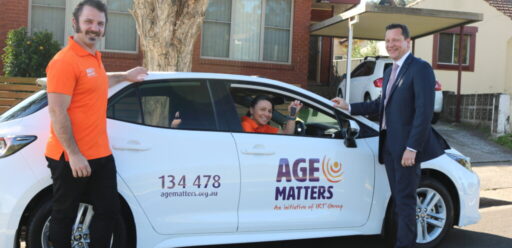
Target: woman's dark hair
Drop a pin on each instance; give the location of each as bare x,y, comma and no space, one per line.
257,99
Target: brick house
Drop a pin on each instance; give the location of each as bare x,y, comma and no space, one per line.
271,39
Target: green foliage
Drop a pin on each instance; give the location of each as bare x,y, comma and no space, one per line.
361,50
505,140
28,56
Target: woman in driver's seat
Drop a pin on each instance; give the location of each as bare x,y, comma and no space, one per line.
260,114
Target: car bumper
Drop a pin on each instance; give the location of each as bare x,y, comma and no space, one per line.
469,194
14,184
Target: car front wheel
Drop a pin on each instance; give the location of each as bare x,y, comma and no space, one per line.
40,223
434,213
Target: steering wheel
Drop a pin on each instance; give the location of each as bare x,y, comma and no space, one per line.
300,127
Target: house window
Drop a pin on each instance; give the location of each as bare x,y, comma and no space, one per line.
55,16
248,30
446,49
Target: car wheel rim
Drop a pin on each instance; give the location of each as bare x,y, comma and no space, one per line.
80,235
431,214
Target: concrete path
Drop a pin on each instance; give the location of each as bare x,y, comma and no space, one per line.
473,143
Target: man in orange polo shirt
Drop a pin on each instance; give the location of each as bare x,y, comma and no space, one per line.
78,150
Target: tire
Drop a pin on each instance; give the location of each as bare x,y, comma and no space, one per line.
439,225
442,207
367,98
435,118
37,235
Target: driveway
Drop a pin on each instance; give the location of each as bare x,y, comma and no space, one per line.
473,143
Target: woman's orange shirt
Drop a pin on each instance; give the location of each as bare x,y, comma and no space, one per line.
250,126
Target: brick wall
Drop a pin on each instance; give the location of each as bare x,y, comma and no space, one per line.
295,73
121,61
14,15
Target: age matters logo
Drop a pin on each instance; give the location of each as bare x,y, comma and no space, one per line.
332,172
302,181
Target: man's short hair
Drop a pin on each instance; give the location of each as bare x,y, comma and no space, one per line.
97,4
403,27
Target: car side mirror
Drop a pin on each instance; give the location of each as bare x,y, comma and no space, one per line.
352,132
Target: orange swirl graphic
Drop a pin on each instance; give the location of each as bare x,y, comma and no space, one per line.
332,172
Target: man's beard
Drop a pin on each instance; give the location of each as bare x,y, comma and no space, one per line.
79,30
97,35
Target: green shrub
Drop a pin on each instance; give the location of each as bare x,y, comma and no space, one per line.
505,140
28,56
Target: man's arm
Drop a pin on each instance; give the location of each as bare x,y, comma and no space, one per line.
366,108
423,85
58,105
133,75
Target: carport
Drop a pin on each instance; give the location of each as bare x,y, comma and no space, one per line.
368,22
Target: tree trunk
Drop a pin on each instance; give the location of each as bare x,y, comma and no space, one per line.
167,31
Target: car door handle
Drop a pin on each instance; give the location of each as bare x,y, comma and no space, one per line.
258,150
131,145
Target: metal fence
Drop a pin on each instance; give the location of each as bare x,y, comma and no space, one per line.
486,110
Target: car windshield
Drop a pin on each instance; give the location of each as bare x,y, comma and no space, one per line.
26,107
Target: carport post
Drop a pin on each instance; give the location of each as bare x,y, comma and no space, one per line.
459,74
352,20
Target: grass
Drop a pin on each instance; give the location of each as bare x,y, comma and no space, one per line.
505,140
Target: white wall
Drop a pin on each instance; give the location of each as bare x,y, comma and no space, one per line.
492,40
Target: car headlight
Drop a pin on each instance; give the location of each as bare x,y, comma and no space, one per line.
11,144
462,160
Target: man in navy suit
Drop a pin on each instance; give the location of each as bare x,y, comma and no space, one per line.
406,137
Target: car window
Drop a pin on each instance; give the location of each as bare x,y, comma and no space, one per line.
364,69
26,107
386,66
318,123
311,122
171,104
126,107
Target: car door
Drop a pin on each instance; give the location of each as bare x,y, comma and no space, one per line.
183,172
300,181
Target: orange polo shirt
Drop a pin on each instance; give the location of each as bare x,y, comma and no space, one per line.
77,73
250,126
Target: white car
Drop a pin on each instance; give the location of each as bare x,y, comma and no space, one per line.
367,79
208,182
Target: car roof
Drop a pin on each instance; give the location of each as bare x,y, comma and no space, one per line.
221,76
201,75
375,58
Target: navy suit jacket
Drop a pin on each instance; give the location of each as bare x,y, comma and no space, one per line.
408,112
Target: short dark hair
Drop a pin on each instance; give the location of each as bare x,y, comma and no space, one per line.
258,99
403,27
97,4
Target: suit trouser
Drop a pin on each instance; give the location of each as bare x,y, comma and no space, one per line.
403,182
99,189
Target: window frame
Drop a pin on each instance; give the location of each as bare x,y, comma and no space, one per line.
114,99
324,108
262,38
467,30
68,30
